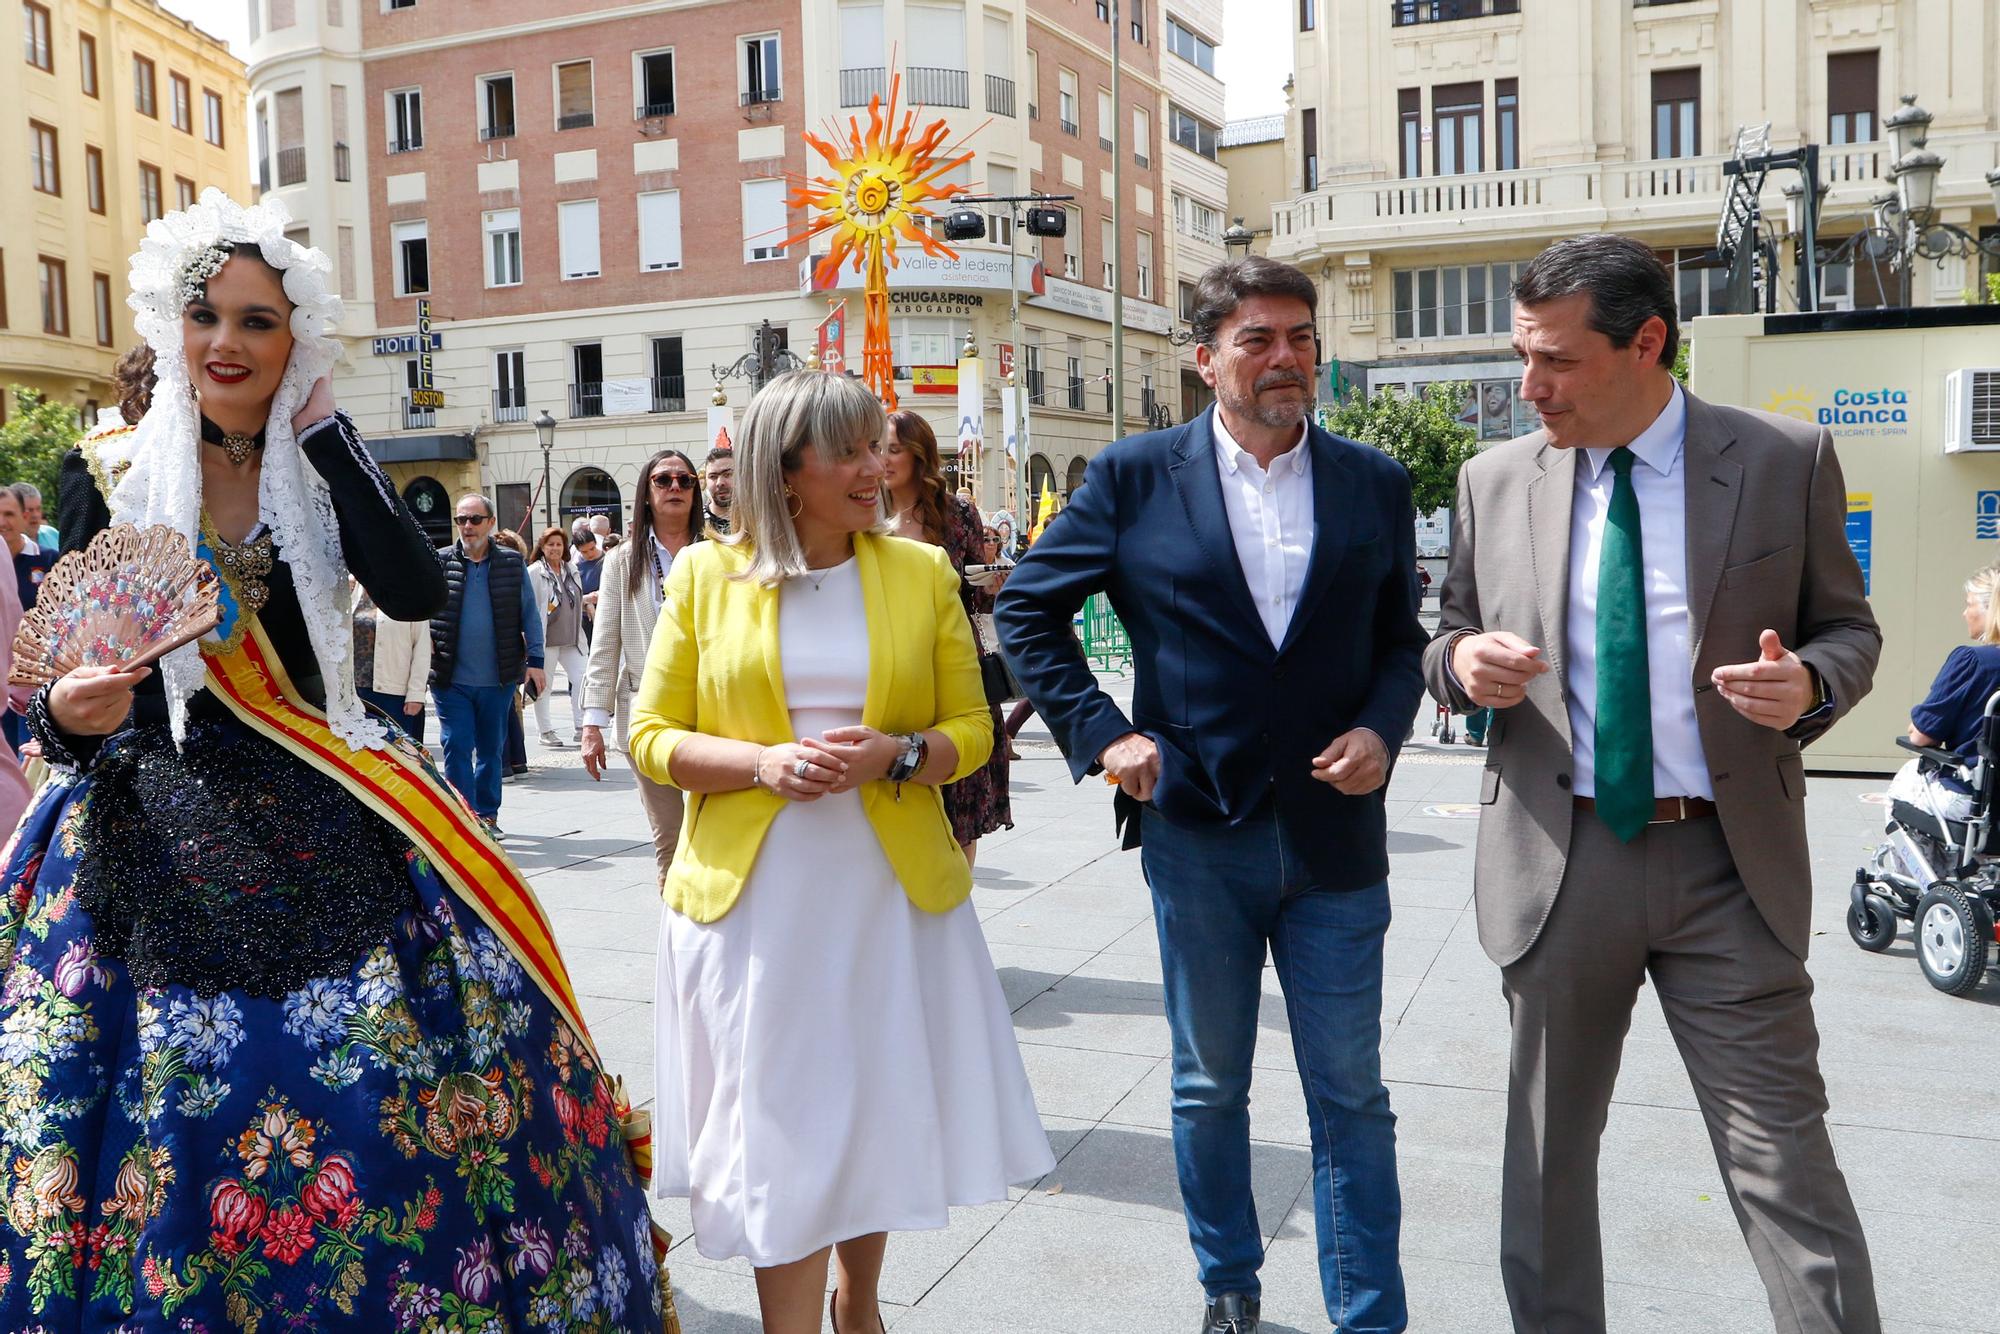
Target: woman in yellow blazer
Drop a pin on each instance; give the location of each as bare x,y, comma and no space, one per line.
835,1058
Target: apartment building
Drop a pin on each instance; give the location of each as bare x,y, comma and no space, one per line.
1197,182
1434,146
120,112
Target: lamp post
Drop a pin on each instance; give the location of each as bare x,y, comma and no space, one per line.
545,431
1236,239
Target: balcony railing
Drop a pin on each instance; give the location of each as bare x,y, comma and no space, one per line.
999,95
586,399
648,110
934,87
759,96
406,145
291,166
1076,392
576,120
418,419
499,129
857,86
510,405
1035,386
1069,127
343,167
1406,12
1104,142
670,393
1140,159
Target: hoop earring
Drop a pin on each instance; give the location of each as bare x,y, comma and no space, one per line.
795,507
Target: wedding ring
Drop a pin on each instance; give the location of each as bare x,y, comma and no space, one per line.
799,769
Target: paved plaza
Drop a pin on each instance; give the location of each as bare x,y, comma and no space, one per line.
1099,1245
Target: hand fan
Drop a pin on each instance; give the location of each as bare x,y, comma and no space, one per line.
128,598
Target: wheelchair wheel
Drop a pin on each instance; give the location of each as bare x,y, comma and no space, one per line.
1954,933
1872,923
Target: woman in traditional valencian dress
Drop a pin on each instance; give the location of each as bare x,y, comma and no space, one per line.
284,1043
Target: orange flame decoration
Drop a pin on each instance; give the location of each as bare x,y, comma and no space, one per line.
875,194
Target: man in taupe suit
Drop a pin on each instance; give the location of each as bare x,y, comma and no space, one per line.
1657,596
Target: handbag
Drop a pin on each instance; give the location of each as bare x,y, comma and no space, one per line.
993,674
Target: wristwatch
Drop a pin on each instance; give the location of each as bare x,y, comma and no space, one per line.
910,761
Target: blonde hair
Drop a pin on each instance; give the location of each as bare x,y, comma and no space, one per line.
829,413
1982,586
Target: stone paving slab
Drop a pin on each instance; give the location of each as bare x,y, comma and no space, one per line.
1099,1244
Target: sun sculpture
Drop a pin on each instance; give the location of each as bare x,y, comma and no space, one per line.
875,194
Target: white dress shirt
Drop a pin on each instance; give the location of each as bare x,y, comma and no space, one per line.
1659,479
1271,520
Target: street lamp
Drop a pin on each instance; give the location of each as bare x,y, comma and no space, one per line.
1236,239
545,431
1909,129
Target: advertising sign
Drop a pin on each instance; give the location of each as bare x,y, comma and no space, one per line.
626,397
1861,534
971,410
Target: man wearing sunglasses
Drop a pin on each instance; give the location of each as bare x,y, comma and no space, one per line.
485,643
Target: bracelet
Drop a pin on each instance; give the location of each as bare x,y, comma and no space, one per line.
757,769
42,726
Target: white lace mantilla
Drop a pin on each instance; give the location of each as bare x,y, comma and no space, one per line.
162,483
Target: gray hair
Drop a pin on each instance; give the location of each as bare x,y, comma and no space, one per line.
27,493
830,413
484,503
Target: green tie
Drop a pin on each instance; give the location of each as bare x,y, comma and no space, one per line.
1624,707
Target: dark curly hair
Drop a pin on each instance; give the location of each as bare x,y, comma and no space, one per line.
133,378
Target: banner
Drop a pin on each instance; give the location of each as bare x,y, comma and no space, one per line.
971,412
721,427
832,345
1010,423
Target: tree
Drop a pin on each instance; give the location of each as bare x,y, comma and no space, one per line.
32,443
1423,434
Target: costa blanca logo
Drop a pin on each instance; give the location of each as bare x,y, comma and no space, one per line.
1852,411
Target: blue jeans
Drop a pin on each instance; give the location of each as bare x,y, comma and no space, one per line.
413,723
1220,896
472,720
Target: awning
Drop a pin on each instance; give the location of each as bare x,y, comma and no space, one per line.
421,448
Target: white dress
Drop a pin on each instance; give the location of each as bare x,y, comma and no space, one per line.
832,1060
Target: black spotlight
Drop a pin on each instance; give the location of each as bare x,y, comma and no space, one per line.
964,224
1046,222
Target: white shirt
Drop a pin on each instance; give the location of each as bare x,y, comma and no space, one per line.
1659,479
602,717
1271,520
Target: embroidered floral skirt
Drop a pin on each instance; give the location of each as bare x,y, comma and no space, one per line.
416,1143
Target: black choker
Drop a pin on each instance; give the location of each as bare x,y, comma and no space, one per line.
238,447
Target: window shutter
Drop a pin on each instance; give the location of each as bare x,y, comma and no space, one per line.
660,230
578,227
573,89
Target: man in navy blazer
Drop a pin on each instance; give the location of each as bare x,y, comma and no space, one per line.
1264,570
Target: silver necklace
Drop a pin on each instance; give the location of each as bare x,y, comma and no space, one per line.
824,575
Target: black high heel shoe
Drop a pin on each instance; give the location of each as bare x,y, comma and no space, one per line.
833,1321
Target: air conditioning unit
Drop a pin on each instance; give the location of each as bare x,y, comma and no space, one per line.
1972,409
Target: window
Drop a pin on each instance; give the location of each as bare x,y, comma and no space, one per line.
1031,360
660,230
1187,301
1073,365
1196,219
181,102
1073,243
145,96
762,81
496,106
586,389
1191,132
410,250
211,116
654,78
43,169
510,385
1309,149
291,107
503,247
1034,84
35,37
1701,282
1676,112
763,220
55,296
1851,97
1458,301
1142,136
1001,179
86,62
183,192
1506,124
1106,239
100,293
1136,11
299,236
1144,255
336,107
1105,118
1456,112
415,417
93,177
151,203
1066,108
576,96
1409,132
401,4
406,120
669,376
1308,15
576,230
1190,46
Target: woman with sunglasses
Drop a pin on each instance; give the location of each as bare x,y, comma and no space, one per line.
666,518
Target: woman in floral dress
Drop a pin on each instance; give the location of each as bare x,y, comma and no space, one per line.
284,1045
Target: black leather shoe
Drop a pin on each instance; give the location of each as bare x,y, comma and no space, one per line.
1231,1313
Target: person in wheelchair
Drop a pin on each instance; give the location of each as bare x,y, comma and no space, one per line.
1949,716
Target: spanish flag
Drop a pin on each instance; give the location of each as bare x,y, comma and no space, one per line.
934,379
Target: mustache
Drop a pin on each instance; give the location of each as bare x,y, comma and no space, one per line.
1276,378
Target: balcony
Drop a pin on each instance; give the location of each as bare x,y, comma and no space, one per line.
1035,385
649,110
1076,393
934,87
419,419
576,120
1677,193
1104,142
343,167
670,393
587,399
510,405
1141,160
761,96
1069,127
1404,13
999,95
405,145
291,167
499,129
858,86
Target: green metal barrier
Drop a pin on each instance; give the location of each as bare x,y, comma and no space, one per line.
1104,639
